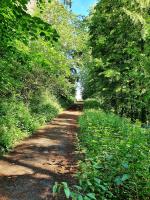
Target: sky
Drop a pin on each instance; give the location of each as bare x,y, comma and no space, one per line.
81,7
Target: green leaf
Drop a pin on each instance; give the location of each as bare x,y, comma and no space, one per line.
86,198
97,180
78,187
55,187
102,187
89,183
125,165
118,180
80,197
65,184
91,195
67,192
125,177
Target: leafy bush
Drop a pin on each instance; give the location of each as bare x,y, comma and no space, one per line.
16,122
44,104
93,103
20,120
10,136
116,164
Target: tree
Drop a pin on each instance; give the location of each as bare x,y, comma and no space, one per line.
35,71
119,37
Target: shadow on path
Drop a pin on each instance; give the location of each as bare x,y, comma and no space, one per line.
30,170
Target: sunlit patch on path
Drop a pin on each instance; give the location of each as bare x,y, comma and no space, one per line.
31,169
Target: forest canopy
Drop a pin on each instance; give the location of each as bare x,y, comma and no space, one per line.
119,71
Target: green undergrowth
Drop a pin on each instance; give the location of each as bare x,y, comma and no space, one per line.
115,163
19,119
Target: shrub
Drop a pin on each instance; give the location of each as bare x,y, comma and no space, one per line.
16,122
44,104
116,162
19,119
92,103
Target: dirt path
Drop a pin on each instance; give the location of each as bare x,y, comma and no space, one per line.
29,172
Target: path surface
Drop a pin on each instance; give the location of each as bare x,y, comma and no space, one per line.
29,172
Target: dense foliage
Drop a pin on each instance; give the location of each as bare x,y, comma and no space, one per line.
115,163
39,54
35,68
120,41
115,69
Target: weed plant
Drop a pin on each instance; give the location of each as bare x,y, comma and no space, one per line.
115,163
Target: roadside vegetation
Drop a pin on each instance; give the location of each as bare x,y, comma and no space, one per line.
37,56
115,76
115,157
116,162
